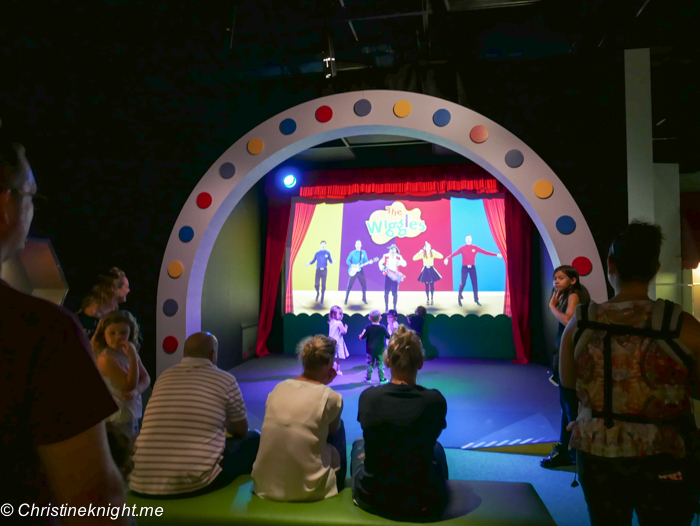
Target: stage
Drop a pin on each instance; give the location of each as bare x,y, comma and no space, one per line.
490,403
445,302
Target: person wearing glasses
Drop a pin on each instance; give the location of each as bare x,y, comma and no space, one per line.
52,436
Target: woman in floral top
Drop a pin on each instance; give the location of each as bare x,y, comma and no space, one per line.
626,465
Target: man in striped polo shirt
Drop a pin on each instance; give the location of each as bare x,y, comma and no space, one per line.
182,449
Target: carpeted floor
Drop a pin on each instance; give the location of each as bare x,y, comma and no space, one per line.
489,402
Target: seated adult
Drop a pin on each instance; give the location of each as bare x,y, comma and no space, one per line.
302,453
182,450
53,446
399,470
633,371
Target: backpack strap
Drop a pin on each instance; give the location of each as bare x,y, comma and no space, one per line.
665,334
582,321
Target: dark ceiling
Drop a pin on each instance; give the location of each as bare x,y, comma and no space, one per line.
278,39
254,41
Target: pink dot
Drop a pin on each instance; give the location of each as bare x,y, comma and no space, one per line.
170,344
583,265
204,200
324,114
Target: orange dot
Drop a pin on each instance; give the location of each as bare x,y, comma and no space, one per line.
543,189
479,134
175,269
255,146
402,109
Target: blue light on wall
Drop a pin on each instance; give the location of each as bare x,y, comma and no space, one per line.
289,181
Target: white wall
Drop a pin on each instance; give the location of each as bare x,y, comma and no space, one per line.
667,214
640,156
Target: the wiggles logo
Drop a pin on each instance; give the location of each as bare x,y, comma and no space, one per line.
395,220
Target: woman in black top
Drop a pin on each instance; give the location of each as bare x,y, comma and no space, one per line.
403,472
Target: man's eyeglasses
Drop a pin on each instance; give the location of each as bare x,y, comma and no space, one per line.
38,200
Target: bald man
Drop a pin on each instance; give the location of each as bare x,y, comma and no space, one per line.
182,450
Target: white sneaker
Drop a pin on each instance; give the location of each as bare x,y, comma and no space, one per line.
340,373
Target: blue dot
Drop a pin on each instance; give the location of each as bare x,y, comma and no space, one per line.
186,234
441,118
289,181
566,225
227,170
170,307
288,126
363,107
514,158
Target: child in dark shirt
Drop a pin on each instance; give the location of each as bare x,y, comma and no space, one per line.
376,335
415,321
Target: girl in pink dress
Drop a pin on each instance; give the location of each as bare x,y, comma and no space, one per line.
336,330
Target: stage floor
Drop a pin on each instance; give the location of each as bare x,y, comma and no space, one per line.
445,302
489,402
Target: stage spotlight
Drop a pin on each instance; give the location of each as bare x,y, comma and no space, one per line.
289,181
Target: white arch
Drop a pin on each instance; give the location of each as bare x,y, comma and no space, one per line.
186,290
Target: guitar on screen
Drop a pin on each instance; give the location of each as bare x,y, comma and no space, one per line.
354,269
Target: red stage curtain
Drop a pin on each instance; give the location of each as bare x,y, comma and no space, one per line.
303,213
518,238
277,226
416,181
496,215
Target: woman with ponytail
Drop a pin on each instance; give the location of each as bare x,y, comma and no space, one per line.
302,454
400,470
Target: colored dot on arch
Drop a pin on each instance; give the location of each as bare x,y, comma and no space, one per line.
324,114
362,108
583,265
255,146
204,200
170,344
441,118
227,170
479,134
566,225
288,126
175,269
402,109
515,158
543,189
186,234
170,307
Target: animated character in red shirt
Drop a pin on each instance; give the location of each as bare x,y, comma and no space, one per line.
469,253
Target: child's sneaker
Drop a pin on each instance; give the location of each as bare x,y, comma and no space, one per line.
383,381
368,380
340,373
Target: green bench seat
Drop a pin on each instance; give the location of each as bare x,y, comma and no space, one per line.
473,503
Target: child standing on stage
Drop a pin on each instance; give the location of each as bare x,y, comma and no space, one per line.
416,321
336,329
376,335
392,323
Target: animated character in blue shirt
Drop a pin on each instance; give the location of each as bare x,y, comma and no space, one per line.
321,258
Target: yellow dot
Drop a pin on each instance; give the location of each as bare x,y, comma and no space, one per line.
543,189
255,146
175,269
402,108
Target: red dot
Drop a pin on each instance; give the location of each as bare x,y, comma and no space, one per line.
583,265
203,200
324,114
170,344
479,134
